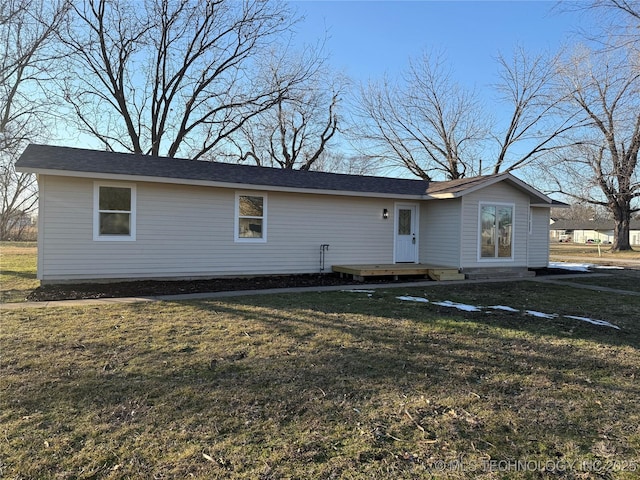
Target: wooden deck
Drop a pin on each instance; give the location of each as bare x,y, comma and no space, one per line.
359,272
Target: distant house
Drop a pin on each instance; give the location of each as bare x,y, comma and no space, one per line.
587,231
107,216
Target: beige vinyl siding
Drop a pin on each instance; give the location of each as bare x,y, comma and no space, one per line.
440,232
188,231
539,238
499,193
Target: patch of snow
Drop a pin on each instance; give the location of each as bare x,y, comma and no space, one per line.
459,306
533,313
473,308
576,267
413,299
506,309
359,291
601,323
608,267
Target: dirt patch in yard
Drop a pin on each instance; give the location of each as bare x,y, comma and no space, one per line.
149,288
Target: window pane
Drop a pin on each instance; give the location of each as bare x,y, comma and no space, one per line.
505,229
250,228
115,198
404,222
115,224
488,232
250,206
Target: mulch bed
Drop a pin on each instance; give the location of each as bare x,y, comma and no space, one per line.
151,288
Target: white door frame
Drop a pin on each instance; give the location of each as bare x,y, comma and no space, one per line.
415,208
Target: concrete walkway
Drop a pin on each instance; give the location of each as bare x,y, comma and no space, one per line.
556,279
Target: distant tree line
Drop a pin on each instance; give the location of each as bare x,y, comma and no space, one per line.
218,80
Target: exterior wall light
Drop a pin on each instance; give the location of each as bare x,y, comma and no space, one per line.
385,213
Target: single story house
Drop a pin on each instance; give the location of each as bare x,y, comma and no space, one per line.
592,231
107,216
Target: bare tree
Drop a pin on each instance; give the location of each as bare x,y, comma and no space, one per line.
433,126
338,162
287,133
631,8
537,126
603,168
27,28
19,199
172,77
426,122
296,131
584,212
619,22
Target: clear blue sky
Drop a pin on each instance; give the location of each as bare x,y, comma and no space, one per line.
369,38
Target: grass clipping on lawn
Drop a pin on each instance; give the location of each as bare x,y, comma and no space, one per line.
323,385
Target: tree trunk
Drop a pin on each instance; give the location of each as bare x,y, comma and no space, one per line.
622,218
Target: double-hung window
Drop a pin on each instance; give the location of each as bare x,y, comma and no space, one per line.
251,218
114,209
496,231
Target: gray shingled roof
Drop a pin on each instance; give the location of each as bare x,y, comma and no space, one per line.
459,185
50,158
46,157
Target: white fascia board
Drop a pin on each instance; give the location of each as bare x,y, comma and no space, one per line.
209,183
444,196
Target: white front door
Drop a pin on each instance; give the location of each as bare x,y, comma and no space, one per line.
406,241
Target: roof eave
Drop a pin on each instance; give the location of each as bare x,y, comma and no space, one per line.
546,205
217,184
545,201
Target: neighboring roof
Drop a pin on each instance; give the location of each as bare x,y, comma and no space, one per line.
54,160
602,225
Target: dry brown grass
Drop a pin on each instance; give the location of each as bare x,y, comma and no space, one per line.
590,250
325,385
17,270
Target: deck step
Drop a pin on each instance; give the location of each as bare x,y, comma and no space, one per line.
446,275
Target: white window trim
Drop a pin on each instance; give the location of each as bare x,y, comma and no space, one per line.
513,232
236,233
96,213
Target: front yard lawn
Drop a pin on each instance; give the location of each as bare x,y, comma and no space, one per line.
326,385
17,271
623,279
